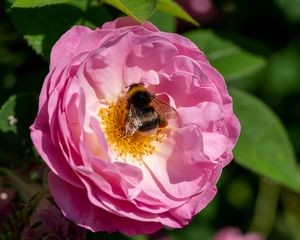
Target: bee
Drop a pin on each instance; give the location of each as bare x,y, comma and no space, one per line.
145,112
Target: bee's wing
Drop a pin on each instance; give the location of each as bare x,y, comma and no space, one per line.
164,109
133,121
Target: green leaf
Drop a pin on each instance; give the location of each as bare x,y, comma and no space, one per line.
232,61
95,15
36,3
163,21
138,237
8,118
16,115
283,71
36,42
172,8
140,10
193,232
239,65
38,30
264,146
44,26
291,8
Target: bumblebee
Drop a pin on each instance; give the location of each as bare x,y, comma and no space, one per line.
145,112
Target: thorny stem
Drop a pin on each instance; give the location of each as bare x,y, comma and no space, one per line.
265,208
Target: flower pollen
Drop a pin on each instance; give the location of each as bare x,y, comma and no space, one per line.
128,147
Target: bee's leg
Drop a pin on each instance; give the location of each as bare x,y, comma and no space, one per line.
149,132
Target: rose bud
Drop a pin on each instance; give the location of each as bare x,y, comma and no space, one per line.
233,233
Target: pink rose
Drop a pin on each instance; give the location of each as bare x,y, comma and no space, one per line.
204,11
233,233
199,9
106,180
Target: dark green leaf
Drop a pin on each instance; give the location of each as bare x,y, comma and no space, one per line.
140,10
44,26
36,42
17,113
95,15
264,146
193,232
8,120
16,116
238,65
39,30
283,72
138,237
163,21
36,3
172,8
232,61
291,8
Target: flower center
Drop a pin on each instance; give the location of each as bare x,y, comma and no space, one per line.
126,146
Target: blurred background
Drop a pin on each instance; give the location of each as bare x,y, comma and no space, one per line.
255,45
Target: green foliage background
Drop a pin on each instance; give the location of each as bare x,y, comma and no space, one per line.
254,44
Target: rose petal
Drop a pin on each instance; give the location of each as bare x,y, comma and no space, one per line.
67,44
79,209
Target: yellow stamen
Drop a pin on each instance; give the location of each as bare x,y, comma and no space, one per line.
127,147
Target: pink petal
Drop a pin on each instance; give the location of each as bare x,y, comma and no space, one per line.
195,204
145,57
214,145
204,115
67,44
185,46
196,170
187,89
79,209
53,157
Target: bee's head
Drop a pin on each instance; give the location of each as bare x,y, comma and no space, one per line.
134,85
139,96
